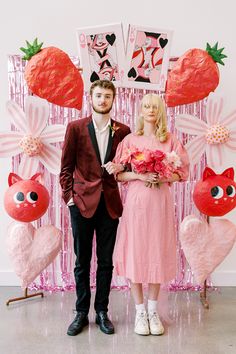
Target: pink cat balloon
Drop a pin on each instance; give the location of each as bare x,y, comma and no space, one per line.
215,194
31,249
26,200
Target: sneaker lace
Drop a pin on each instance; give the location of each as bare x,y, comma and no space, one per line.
142,317
155,318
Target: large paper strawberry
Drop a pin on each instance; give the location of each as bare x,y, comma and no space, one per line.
194,75
50,74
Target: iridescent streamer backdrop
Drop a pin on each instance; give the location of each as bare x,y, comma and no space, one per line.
59,275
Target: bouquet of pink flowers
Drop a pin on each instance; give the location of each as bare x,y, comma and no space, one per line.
155,161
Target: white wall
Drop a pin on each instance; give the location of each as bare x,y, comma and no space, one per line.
54,22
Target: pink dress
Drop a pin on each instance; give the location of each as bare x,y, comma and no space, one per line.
145,250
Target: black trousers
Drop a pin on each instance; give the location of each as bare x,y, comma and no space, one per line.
83,231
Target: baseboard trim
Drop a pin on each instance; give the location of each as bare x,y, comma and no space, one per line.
224,278
9,278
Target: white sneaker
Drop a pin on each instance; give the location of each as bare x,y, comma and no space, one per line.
156,327
141,323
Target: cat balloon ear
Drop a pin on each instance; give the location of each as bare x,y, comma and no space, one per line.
38,177
13,178
228,173
207,173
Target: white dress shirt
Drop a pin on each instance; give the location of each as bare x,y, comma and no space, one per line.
102,136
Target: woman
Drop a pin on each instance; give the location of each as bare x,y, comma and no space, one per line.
146,244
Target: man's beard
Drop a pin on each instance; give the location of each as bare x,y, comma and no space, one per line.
102,111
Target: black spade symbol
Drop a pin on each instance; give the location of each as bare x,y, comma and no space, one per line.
94,76
132,73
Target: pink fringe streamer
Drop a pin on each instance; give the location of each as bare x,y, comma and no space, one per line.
59,275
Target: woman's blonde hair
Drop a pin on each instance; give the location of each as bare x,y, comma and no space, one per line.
161,121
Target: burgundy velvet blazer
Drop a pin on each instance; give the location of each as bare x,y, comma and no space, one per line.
82,176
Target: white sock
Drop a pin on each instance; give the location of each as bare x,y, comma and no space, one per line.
140,308
152,306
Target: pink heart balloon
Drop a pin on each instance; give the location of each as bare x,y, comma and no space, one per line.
206,245
32,250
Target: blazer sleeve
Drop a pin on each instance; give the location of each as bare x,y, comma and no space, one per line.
68,163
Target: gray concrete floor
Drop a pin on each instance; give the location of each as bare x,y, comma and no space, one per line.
38,326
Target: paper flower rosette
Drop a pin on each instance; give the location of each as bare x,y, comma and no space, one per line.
212,136
32,137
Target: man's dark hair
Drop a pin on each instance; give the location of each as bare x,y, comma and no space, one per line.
105,84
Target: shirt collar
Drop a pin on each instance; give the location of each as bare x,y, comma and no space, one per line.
107,126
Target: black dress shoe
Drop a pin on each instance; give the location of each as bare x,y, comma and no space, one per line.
104,323
80,321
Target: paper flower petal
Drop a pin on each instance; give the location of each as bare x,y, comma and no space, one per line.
28,166
53,133
17,116
214,155
37,112
195,149
230,120
50,157
231,144
214,109
9,143
189,124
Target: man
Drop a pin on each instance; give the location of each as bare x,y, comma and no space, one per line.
91,192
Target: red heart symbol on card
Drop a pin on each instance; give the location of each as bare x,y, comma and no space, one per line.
206,245
32,250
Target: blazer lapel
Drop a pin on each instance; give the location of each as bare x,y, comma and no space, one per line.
94,140
109,146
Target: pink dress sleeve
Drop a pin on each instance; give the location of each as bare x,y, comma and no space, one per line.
183,170
122,157
122,152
